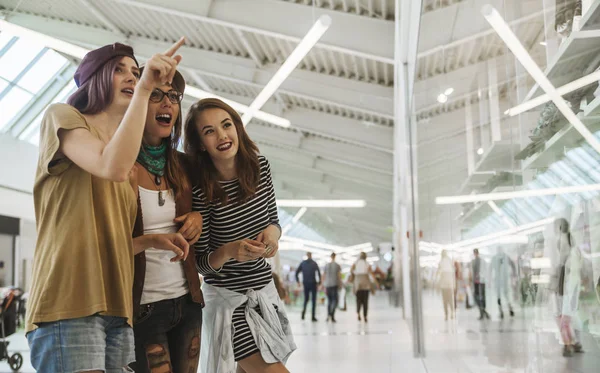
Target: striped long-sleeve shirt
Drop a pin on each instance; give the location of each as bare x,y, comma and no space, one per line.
232,222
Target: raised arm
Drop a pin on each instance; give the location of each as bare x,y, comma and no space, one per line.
114,160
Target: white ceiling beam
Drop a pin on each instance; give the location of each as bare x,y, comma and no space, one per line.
199,80
327,149
336,171
257,60
292,20
480,35
349,92
355,132
288,151
288,22
311,96
101,17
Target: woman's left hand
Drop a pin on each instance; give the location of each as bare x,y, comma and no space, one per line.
270,237
191,227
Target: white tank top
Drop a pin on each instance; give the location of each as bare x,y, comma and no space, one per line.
164,280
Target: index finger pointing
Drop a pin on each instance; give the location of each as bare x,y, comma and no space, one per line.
171,51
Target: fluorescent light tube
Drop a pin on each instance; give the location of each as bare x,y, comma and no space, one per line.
522,229
311,243
299,215
309,41
452,200
295,219
540,263
273,119
565,89
291,246
340,203
505,33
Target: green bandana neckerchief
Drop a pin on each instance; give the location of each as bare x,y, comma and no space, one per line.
153,158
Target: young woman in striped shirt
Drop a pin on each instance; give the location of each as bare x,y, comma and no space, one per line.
234,193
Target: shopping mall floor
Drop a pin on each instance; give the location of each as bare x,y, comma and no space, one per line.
384,344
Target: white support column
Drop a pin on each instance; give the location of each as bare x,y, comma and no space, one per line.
551,38
494,101
406,219
470,140
527,120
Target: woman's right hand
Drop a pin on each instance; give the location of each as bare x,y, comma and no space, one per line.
161,68
172,242
246,250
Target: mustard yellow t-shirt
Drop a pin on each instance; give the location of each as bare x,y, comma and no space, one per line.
83,262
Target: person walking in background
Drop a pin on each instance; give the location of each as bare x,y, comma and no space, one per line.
477,271
332,281
362,284
446,278
310,270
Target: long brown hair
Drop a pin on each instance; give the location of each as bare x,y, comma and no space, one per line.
96,94
175,172
205,173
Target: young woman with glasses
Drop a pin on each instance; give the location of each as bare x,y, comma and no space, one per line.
166,292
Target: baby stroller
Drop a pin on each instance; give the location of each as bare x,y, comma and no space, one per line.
8,326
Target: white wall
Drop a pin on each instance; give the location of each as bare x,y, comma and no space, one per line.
25,249
6,256
18,162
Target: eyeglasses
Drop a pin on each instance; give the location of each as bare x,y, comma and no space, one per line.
157,96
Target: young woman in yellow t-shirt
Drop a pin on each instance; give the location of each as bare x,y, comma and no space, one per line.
80,311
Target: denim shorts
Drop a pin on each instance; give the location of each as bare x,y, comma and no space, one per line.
88,343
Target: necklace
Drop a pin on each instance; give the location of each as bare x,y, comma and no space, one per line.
157,182
154,159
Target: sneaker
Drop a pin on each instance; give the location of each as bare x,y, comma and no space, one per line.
578,348
314,319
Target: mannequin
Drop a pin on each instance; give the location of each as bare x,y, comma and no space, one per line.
501,273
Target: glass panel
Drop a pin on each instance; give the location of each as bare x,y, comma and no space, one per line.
11,104
542,276
33,128
5,37
17,58
42,72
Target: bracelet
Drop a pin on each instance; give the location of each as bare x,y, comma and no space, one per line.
211,267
